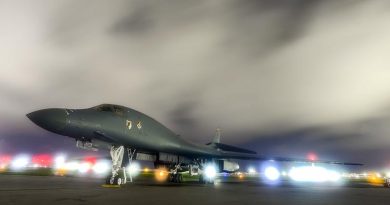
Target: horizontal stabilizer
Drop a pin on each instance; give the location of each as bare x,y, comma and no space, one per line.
229,148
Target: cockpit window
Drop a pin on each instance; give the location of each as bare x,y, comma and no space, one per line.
110,108
104,108
118,110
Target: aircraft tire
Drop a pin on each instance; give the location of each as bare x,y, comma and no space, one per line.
108,178
170,177
118,181
387,183
178,178
211,181
202,179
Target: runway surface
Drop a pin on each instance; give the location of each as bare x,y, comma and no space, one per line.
36,190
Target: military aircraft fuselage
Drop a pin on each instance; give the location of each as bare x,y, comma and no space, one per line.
120,125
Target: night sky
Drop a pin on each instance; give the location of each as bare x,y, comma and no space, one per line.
283,78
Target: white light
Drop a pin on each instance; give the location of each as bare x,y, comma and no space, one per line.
251,170
59,161
72,166
20,162
84,167
210,171
313,174
133,169
101,167
333,176
272,173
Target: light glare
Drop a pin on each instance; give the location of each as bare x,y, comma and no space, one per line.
251,170
210,171
134,169
59,161
72,166
313,174
101,167
20,162
84,167
272,173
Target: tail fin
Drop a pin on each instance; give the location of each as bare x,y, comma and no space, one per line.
216,143
217,137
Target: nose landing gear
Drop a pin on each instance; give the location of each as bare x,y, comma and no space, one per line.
118,173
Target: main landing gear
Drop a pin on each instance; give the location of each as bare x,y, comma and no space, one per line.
387,182
174,174
118,173
176,178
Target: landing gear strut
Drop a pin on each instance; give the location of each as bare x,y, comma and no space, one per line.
130,154
387,182
116,153
174,175
118,173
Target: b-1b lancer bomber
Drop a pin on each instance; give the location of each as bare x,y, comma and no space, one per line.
136,136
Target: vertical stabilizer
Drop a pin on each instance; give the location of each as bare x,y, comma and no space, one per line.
217,137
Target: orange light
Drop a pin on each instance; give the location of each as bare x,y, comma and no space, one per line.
374,179
2,168
60,172
146,169
161,175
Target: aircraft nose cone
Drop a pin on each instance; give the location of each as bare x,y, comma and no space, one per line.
50,119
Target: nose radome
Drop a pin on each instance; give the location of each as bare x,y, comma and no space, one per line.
53,119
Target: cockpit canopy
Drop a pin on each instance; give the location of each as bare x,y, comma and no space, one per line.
119,110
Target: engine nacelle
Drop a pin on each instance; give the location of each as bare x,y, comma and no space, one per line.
228,166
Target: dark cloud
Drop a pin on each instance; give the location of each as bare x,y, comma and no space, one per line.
278,75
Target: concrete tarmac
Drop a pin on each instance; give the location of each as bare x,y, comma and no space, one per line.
36,190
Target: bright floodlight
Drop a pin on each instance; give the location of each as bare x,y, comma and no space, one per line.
333,176
272,173
251,170
210,171
72,166
59,161
101,167
313,174
20,162
84,167
134,169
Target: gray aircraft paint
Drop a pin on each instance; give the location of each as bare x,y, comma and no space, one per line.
110,123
